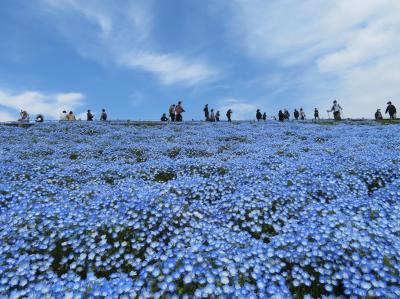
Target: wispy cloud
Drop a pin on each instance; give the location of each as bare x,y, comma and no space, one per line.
355,42
121,34
36,102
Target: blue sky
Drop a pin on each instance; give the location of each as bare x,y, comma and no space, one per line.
135,58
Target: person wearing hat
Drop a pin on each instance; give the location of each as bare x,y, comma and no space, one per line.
336,109
378,115
391,109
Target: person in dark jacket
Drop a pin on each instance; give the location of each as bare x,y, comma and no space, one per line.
286,114
258,115
316,114
39,118
229,115
281,115
391,109
164,117
103,115
206,113
378,115
264,117
296,114
89,116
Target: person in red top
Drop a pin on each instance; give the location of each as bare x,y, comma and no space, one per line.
178,111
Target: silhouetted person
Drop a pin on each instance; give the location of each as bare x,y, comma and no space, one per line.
206,112
302,114
264,117
336,109
178,111
391,109
281,115
378,115
217,116
316,114
286,114
103,115
296,114
171,112
39,118
164,117
229,115
89,116
258,115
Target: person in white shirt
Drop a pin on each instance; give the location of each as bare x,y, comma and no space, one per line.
212,115
337,110
63,115
302,114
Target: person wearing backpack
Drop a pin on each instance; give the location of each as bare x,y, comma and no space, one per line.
391,109
206,112
296,114
178,111
171,112
229,115
258,115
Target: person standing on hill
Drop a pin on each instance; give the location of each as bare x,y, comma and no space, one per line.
171,112
206,113
264,117
89,116
378,115
337,110
103,115
258,115
316,114
391,109
63,116
286,114
212,116
281,115
302,114
296,114
71,116
217,116
178,111
229,115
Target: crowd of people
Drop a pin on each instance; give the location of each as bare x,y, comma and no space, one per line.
176,110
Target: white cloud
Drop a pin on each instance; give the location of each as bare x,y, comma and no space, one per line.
355,42
122,35
50,105
242,110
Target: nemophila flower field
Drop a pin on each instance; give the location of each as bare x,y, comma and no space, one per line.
188,210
